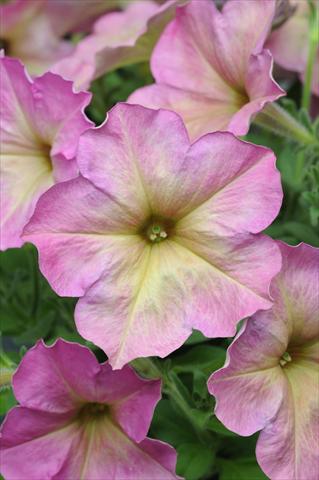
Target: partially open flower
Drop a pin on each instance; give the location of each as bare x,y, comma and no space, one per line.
210,66
159,236
118,39
270,381
78,419
41,122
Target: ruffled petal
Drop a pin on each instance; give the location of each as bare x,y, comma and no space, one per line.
35,444
51,379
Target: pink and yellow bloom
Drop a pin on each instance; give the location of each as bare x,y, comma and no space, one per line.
41,122
33,30
118,39
270,381
159,236
210,66
289,44
78,419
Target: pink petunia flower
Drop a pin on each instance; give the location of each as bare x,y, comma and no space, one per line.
289,44
159,236
41,122
118,39
33,30
210,66
78,419
270,381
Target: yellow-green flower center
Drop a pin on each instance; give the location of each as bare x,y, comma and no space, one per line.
93,411
156,229
156,233
284,359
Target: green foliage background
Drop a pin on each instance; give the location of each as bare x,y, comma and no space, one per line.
30,310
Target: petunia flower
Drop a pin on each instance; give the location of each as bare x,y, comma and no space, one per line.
158,236
289,44
118,39
41,122
34,30
270,381
210,66
78,419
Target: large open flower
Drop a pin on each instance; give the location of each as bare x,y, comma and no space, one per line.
210,67
41,122
270,381
118,39
158,236
34,30
78,419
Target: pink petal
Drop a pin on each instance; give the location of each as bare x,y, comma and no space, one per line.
202,114
288,447
118,39
35,444
75,237
295,290
133,399
231,186
272,372
210,67
261,89
140,298
41,122
251,376
289,43
107,449
142,171
51,378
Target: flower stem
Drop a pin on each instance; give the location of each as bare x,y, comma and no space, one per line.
146,367
277,120
313,44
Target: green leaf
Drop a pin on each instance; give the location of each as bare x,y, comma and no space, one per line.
7,400
194,460
206,358
245,469
302,232
169,426
216,426
196,337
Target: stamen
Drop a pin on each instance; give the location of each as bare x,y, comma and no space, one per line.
157,234
285,358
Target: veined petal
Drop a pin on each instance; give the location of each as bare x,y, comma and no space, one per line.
261,89
272,371
189,38
210,68
241,30
81,232
138,170
289,43
149,307
288,447
41,122
237,188
45,381
133,398
103,447
118,38
201,114
296,294
59,115
29,435
252,375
